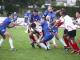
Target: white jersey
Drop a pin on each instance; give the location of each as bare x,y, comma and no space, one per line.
78,20
62,20
39,28
68,23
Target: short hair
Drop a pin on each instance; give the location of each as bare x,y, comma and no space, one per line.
78,11
63,11
9,14
33,25
35,10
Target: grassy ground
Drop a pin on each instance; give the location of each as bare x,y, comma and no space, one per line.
25,52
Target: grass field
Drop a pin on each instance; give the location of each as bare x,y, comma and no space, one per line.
25,52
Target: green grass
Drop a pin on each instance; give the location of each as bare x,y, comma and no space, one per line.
25,52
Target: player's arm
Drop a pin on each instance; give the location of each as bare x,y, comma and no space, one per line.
0,23
58,23
13,24
41,35
76,22
54,23
57,11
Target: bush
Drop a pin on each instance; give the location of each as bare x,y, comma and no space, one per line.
70,10
10,8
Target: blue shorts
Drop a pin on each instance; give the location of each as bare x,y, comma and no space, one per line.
2,31
47,38
55,29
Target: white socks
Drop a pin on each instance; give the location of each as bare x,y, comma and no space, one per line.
43,46
48,45
63,43
1,42
11,43
53,40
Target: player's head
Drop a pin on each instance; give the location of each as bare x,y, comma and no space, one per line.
50,9
78,14
33,25
48,18
35,12
44,17
63,12
10,15
29,11
15,13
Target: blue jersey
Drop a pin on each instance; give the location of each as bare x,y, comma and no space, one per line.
35,18
52,17
5,23
45,28
55,29
27,15
47,34
51,14
15,16
45,13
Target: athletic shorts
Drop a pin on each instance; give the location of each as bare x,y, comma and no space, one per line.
55,30
47,37
72,33
2,31
65,31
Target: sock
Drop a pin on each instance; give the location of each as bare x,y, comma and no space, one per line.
63,43
66,41
1,42
48,45
32,38
11,43
43,46
71,44
54,42
74,46
26,28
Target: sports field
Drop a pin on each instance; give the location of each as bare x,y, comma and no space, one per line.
26,52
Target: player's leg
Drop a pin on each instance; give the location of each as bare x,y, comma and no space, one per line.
5,34
8,36
60,39
32,39
48,45
65,39
54,38
1,42
54,42
36,37
26,25
2,39
44,43
73,44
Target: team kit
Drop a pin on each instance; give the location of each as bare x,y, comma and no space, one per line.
43,29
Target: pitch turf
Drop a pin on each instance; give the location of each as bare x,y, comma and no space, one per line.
25,52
